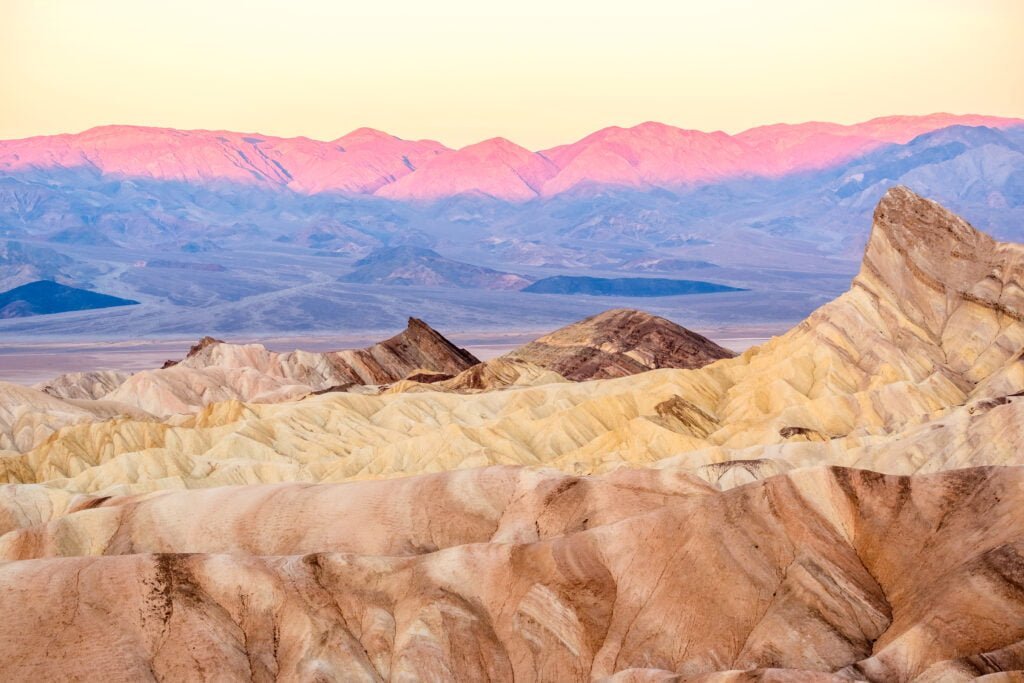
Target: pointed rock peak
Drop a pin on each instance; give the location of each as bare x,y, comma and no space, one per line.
418,329
903,208
202,344
927,261
420,340
496,145
415,324
925,238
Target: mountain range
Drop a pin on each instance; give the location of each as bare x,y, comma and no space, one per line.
778,212
368,161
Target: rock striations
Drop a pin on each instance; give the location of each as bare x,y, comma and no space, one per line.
617,343
841,503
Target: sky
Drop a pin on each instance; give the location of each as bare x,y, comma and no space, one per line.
539,72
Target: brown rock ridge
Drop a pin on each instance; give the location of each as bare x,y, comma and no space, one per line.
617,343
532,576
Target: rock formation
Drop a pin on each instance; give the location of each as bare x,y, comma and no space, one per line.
617,343
215,371
842,503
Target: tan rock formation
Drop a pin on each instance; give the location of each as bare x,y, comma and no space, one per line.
29,416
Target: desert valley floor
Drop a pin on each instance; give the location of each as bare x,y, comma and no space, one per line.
620,500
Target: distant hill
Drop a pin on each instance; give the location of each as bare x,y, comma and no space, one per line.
45,296
617,343
419,266
624,286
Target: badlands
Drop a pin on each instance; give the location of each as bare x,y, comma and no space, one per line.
841,503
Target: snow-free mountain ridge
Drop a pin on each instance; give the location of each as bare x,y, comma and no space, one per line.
371,162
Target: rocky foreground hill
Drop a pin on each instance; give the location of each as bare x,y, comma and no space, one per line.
842,503
617,343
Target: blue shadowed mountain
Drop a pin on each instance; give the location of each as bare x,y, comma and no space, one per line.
45,296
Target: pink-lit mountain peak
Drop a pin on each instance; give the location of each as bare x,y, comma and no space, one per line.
497,148
649,154
371,137
365,134
650,135
496,167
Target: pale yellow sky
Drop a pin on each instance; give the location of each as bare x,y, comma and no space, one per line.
540,72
